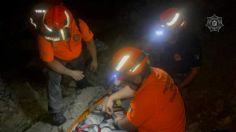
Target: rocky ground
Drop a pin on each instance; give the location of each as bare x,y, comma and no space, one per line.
23,108
74,106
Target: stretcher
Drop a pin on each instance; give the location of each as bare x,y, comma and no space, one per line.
93,119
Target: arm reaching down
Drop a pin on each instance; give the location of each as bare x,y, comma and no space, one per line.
87,37
125,92
92,50
189,77
60,68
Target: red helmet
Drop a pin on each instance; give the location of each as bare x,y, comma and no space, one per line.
57,17
171,17
56,23
129,61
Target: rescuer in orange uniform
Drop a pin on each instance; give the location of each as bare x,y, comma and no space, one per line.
157,105
60,47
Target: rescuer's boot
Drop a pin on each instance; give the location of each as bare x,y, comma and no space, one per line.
58,119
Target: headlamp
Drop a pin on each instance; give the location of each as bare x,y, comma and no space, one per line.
159,32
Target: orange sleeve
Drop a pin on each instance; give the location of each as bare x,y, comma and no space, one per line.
87,34
45,50
141,109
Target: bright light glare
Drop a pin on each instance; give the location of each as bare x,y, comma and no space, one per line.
173,20
114,76
67,18
40,11
159,33
182,24
122,62
63,34
52,38
135,68
32,22
49,29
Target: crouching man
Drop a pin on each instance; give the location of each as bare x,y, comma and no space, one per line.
157,104
60,47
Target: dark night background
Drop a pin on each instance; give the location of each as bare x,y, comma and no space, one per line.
111,20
